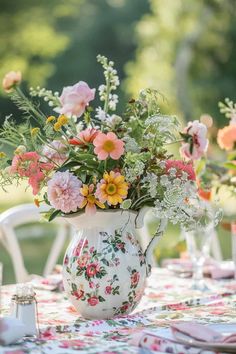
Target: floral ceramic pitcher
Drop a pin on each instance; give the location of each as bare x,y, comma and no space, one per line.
104,267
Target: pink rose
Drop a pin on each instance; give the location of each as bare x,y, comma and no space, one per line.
93,301
83,260
92,269
11,79
120,245
78,294
74,99
196,142
108,289
135,278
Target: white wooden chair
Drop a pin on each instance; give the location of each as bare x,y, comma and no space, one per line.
23,214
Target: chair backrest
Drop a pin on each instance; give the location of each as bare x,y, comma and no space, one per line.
23,214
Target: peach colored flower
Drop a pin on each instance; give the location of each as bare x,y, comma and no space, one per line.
74,99
11,79
112,188
108,145
64,192
196,142
226,137
84,137
89,201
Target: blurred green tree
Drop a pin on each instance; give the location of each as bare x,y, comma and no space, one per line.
187,51
54,43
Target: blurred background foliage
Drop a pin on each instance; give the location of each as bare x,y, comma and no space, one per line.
184,49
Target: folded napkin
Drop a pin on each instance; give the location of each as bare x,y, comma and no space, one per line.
202,333
215,270
11,330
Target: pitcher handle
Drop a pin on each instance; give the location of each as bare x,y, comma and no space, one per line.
154,241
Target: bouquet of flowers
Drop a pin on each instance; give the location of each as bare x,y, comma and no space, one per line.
79,158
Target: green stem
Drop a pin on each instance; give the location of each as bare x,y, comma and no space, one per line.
174,142
29,104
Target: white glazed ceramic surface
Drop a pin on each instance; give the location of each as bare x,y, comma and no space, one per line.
104,268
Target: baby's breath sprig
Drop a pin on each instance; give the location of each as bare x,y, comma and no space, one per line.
228,108
52,98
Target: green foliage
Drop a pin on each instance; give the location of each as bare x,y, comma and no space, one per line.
186,50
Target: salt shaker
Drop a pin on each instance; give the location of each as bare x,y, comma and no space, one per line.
24,307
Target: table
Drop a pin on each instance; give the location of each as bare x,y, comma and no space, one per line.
167,298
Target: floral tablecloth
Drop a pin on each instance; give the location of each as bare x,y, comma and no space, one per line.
167,298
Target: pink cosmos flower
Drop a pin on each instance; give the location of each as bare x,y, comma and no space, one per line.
108,145
55,152
11,79
93,301
84,137
180,166
92,269
64,192
74,99
199,142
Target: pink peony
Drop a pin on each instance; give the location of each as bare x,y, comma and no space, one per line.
84,137
93,301
74,99
108,145
11,79
55,152
180,166
198,145
64,192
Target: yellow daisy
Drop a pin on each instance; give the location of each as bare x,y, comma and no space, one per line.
112,188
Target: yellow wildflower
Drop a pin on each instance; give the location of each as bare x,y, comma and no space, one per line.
35,131
50,119
36,202
62,120
89,199
57,126
2,155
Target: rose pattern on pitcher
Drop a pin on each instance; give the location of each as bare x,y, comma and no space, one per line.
133,295
93,266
